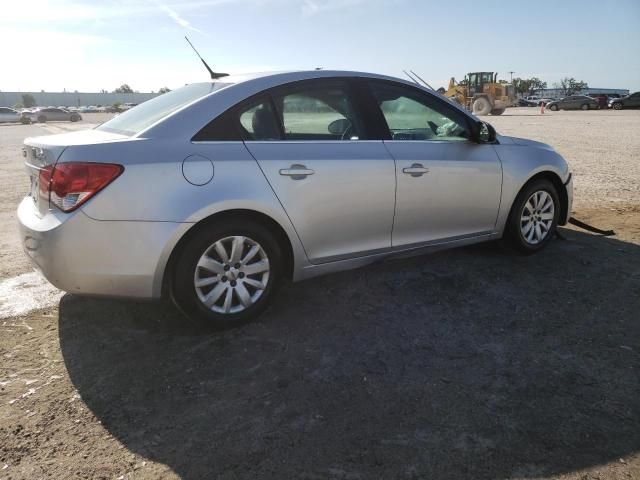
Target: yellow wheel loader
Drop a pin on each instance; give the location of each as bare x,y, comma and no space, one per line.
481,93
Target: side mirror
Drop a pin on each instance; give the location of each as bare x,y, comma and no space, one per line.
485,133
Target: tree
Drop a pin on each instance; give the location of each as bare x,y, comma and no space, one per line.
124,88
164,90
28,101
536,84
528,85
570,85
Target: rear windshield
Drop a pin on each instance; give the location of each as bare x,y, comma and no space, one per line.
146,114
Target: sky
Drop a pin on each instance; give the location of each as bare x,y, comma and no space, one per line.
92,45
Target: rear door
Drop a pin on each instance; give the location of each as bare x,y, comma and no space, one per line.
336,184
448,187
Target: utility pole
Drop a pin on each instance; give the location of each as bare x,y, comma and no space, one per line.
511,73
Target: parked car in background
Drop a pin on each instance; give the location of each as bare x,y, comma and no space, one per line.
11,115
128,105
245,182
630,101
114,109
574,102
53,114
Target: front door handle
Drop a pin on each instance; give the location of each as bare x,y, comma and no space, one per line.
415,170
297,172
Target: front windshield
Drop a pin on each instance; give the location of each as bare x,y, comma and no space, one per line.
146,114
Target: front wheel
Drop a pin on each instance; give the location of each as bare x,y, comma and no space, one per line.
497,111
42,119
534,217
585,106
617,106
227,274
553,108
481,106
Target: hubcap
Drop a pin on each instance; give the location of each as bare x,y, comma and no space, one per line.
537,217
231,274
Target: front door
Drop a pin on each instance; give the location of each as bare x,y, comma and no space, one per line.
337,188
448,187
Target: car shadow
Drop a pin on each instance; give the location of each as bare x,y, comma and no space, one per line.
467,364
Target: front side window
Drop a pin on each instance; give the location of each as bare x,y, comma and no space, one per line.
318,113
411,115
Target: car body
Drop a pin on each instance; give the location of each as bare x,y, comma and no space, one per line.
11,115
353,168
48,114
574,102
630,101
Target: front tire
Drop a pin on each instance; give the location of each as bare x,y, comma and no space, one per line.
481,106
617,106
42,119
227,274
585,106
497,111
534,217
553,108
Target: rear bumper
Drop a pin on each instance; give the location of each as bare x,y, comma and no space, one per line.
81,255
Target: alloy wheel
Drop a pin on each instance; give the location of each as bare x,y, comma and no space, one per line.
537,217
232,274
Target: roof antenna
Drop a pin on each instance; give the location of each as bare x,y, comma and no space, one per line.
214,75
411,78
422,80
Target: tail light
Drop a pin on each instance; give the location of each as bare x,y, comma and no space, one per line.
71,184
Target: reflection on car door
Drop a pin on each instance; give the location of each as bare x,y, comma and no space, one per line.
448,187
337,187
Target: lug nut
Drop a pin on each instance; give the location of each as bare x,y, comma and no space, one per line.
241,275
237,265
224,279
233,283
226,268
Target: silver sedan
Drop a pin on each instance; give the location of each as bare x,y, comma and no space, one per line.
215,193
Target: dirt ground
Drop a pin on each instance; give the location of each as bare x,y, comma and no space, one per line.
467,364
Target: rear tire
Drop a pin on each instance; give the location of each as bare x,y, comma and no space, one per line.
497,111
533,218
553,108
42,119
238,297
75,118
585,106
481,106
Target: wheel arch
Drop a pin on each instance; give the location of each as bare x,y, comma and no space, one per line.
559,186
250,215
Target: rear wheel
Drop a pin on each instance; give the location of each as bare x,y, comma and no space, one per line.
534,217
585,106
553,108
75,118
42,119
227,274
481,106
497,111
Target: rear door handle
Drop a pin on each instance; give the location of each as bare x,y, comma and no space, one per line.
297,172
415,170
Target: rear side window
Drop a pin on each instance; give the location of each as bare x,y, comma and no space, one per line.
258,122
318,112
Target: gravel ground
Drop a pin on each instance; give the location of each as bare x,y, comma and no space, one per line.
467,364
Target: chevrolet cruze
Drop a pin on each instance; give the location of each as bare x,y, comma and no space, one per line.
215,193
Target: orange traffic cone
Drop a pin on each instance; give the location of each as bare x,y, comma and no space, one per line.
542,108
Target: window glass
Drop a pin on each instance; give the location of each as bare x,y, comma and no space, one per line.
411,115
319,113
259,122
136,119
